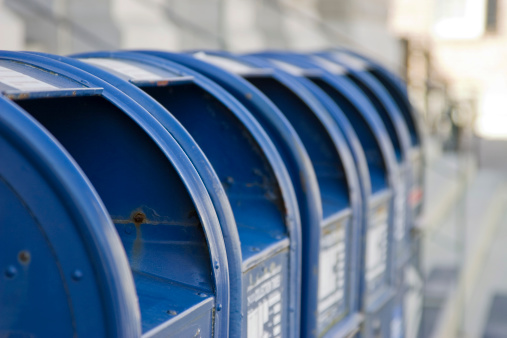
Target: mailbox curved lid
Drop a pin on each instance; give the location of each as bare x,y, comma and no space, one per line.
392,83
356,98
53,72
339,117
244,121
384,103
368,71
256,67
57,236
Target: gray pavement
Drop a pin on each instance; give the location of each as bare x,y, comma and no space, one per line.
465,240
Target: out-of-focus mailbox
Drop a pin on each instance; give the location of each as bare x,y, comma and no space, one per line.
411,302
381,159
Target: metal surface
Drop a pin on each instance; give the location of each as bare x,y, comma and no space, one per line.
296,159
397,90
338,182
408,260
64,271
133,163
383,169
254,178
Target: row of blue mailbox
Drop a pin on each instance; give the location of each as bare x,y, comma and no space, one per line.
207,194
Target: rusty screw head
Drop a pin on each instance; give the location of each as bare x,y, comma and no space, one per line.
24,257
139,217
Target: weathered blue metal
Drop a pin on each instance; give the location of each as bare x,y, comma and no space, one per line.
158,203
295,157
254,177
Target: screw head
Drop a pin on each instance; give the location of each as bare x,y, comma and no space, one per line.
24,257
139,217
77,275
11,271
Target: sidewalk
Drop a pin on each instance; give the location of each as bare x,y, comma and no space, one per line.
463,245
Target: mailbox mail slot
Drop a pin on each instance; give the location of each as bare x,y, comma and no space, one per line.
254,177
338,183
160,207
382,167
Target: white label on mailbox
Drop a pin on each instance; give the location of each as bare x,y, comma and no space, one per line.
351,61
22,81
330,66
132,72
400,216
332,268
225,63
289,68
376,245
267,294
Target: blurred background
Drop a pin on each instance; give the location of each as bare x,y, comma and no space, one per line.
451,53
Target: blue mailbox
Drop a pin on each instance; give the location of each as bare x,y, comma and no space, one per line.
295,157
154,196
383,169
400,138
410,302
397,90
248,166
335,302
